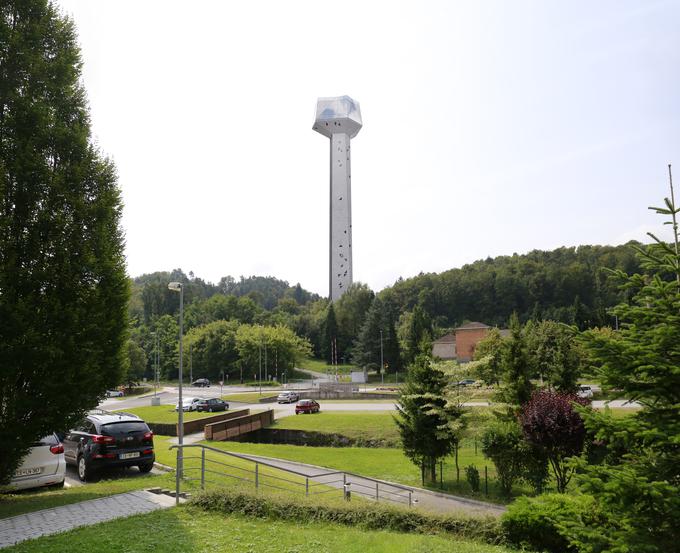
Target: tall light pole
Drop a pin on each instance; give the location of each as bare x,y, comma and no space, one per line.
382,364
177,287
260,350
191,364
154,399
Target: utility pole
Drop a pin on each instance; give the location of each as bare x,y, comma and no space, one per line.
191,365
382,364
260,349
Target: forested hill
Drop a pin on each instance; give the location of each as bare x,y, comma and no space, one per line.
566,284
151,297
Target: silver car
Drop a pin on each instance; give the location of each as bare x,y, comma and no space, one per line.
288,397
43,466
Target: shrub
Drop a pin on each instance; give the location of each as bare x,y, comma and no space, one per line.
552,425
538,522
371,516
535,468
472,475
502,443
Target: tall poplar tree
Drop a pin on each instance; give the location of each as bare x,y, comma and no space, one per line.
63,289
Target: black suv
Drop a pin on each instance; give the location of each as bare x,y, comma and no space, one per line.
106,439
201,383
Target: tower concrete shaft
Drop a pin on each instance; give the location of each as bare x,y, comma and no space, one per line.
340,120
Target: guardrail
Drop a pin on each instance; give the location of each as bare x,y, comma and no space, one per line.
343,482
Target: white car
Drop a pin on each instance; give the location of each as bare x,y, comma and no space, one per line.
114,393
43,466
585,392
288,397
188,403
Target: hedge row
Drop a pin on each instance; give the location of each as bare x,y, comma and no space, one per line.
371,516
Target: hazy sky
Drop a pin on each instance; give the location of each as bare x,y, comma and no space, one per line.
489,128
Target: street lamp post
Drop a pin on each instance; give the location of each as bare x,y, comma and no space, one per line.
260,350
382,365
191,364
154,399
177,287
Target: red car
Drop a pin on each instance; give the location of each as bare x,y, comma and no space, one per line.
307,406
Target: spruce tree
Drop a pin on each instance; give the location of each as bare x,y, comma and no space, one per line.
63,289
429,423
637,486
330,334
517,386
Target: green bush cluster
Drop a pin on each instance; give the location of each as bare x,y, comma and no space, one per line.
540,523
472,475
370,516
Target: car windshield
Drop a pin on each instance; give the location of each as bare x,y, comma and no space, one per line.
126,427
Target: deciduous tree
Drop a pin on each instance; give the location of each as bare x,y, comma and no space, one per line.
63,289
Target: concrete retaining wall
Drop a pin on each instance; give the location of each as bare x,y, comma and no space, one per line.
191,427
230,429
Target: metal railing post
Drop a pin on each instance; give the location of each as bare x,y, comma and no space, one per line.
203,468
307,485
257,475
377,493
410,501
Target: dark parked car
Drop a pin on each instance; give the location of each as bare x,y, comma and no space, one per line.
212,404
307,406
201,383
104,439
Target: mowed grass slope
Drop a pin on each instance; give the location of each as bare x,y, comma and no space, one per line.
366,425
186,529
165,414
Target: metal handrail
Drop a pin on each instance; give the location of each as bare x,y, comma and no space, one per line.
307,477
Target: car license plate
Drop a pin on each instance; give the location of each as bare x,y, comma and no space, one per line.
129,455
28,472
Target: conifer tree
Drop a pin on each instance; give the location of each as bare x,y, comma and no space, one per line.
429,423
637,487
517,386
63,289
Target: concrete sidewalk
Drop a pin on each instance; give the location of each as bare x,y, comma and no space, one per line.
60,519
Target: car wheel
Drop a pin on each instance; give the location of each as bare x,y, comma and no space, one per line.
84,469
145,467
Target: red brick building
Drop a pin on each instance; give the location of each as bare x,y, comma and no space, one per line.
461,343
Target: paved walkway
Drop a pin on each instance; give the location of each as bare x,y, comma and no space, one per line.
430,500
60,519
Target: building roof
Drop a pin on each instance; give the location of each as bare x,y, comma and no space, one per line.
446,339
472,326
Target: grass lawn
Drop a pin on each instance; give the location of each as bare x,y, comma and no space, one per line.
184,529
28,501
383,463
248,397
320,366
165,414
369,425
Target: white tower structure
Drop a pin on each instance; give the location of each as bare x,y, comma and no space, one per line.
340,120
